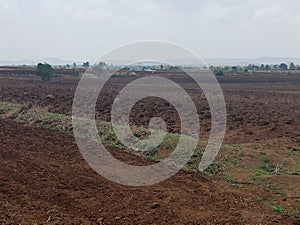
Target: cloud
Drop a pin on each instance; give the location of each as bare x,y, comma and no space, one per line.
83,29
5,5
7,9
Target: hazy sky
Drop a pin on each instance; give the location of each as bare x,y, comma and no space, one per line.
86,29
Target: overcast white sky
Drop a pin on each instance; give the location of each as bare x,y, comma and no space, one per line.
86,29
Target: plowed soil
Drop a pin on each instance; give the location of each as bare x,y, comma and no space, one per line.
259,107
44,179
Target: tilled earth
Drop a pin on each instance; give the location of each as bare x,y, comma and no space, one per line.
259,107
44,179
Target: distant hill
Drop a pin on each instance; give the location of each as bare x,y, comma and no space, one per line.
246,61
209,61
50,60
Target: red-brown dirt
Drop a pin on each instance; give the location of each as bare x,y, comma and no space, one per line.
256,111
44,180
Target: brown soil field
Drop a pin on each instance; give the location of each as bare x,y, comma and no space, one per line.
259,107
44,179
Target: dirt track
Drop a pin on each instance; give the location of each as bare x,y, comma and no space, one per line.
45,180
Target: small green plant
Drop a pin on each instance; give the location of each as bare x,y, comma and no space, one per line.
275,188
236,146
52,117
5,108
279,209
268,167
8,110
214,168
266,160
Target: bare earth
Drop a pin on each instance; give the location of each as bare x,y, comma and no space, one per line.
44,179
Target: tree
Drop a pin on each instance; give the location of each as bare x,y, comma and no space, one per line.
44,70
86,64
219,73
226,68
250,67
283,66
292,66
234,69
102,65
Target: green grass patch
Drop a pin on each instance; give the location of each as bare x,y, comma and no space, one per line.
283,210
52,117
7,109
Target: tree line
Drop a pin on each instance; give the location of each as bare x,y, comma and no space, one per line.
45,70
219,70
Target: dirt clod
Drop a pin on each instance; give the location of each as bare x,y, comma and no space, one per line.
155,205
